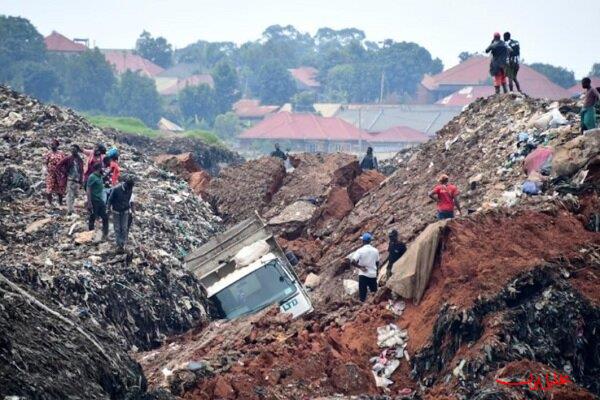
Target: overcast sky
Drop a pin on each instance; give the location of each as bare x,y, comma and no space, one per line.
559,32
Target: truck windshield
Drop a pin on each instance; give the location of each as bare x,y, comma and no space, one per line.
259,289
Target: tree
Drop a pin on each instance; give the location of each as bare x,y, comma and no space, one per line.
465,55
135,96
197,103
39,80
276,85
559,75
226,87
227,125
304,101
20,42
88,80
157,50
595,70
205,54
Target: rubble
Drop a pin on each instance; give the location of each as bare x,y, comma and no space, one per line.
185,167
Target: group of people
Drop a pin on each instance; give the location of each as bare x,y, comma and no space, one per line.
100,176
367,259
506,56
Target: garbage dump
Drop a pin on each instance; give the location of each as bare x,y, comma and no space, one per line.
137,299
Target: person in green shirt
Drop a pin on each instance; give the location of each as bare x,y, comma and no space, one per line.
95,200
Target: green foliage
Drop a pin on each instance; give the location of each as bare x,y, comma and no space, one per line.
39,80
88,80
559,75
227,126
595,71
157,50
205,54
135,96
304,101
226,86
123,124
205,136
198,103
275,84
465,55
20,43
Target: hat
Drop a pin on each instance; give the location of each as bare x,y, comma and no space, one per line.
366,237
113,152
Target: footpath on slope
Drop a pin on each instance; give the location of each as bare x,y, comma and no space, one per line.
504,277
136,300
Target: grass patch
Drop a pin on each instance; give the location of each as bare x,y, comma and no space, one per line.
205,136
123,124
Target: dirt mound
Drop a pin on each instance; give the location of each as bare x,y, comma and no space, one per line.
210,158
185,167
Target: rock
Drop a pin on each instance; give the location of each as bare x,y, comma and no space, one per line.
182,165
575,154
223,389
37,225
350,287
338,204
312,281
199,181
300,211
84,237
366,181
351,379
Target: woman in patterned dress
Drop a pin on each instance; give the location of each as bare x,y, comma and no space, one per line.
53,181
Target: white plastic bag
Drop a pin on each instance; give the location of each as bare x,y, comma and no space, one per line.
350,287
247,255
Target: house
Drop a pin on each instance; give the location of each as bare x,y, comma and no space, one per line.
577,90
426,118
322,109
305,132
466,95
164,125
475,72
250,110
306,78
395,139
124,60
172,86
57,43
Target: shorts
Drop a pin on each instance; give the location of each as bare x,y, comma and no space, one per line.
512,69
500,77
445,214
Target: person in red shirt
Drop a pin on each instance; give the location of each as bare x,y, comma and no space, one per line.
446,196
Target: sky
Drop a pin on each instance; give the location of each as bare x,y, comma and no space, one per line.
565,33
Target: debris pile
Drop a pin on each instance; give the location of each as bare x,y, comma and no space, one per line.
185,167
138,298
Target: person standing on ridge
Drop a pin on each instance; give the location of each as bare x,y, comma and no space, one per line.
396,249
499,52
53,179
446,196
95,199
71,172
366,259
588,111
514,58
121,203
278,153
369,161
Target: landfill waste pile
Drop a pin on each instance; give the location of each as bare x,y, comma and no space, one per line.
510,290
211,158
138,298
186,167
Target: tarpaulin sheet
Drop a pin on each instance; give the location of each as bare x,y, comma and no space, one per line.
537,158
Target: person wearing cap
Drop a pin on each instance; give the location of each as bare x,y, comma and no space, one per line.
446,196
369,161
113,166
396,249
53,181
71,172
278,153
95,199
121,202
500,54
366,259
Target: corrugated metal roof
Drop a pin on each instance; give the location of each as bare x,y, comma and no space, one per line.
123,60
476,71
398,134
180,84
251,108
293,126
307,76
57,42
376,118
466,95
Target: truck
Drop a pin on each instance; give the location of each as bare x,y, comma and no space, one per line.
244,271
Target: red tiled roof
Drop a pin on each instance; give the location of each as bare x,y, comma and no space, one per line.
398,134
124,60
475,72
251,108
466,95
57,42
306,76
291,126
577,89
194,80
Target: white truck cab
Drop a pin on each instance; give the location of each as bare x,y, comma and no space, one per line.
244,271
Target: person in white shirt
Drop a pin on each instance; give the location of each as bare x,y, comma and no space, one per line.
366,259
